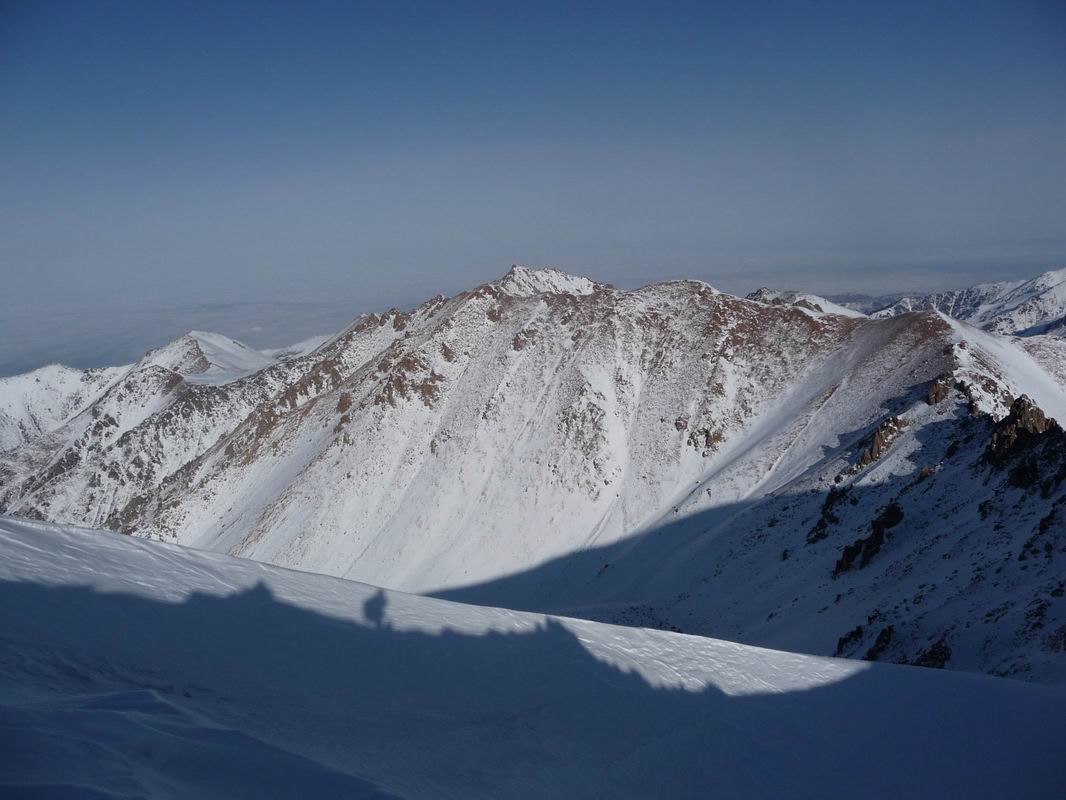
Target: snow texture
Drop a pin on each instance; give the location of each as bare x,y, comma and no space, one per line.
1012,307
811,302
668,457
132,668
208,358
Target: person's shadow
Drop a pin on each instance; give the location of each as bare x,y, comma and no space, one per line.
374,609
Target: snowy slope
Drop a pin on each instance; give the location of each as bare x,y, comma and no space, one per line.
1008,360
811,302
500,430
153,420
202,357
1049,351
1011,307
40,401
522,281
302,348
549,443
139,669
935,538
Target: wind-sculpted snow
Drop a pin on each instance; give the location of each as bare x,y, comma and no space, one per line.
131,668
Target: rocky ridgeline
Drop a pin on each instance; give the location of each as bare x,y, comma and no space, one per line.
939,544
672,456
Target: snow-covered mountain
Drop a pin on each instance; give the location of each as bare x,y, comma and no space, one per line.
765,470
299,349
1023,308
40,401
511,389
208,358
811,302
1049,350
138,669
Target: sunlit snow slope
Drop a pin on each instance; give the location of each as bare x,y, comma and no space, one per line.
130,668
767,470
1010,307
40,401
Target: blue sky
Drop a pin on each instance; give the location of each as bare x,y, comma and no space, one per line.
176,154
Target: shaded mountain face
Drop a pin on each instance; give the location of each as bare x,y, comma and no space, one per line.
935,538
656,457
147,670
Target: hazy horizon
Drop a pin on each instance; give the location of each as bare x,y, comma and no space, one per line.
165,165
83,336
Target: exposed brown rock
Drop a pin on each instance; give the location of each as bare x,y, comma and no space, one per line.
935,656
885,434
878,443
1019,431
403,380
884,639
850,638
705,439
863,550
828,516
938,390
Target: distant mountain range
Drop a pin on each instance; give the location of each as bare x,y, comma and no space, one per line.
1022,308
780,469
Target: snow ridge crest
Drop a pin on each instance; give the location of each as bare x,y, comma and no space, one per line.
522,281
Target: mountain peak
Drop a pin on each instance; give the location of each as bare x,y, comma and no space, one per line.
207,357
522,281
1051,278
1018,307
510,445
811,302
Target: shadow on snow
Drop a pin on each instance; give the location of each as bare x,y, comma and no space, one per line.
247,696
